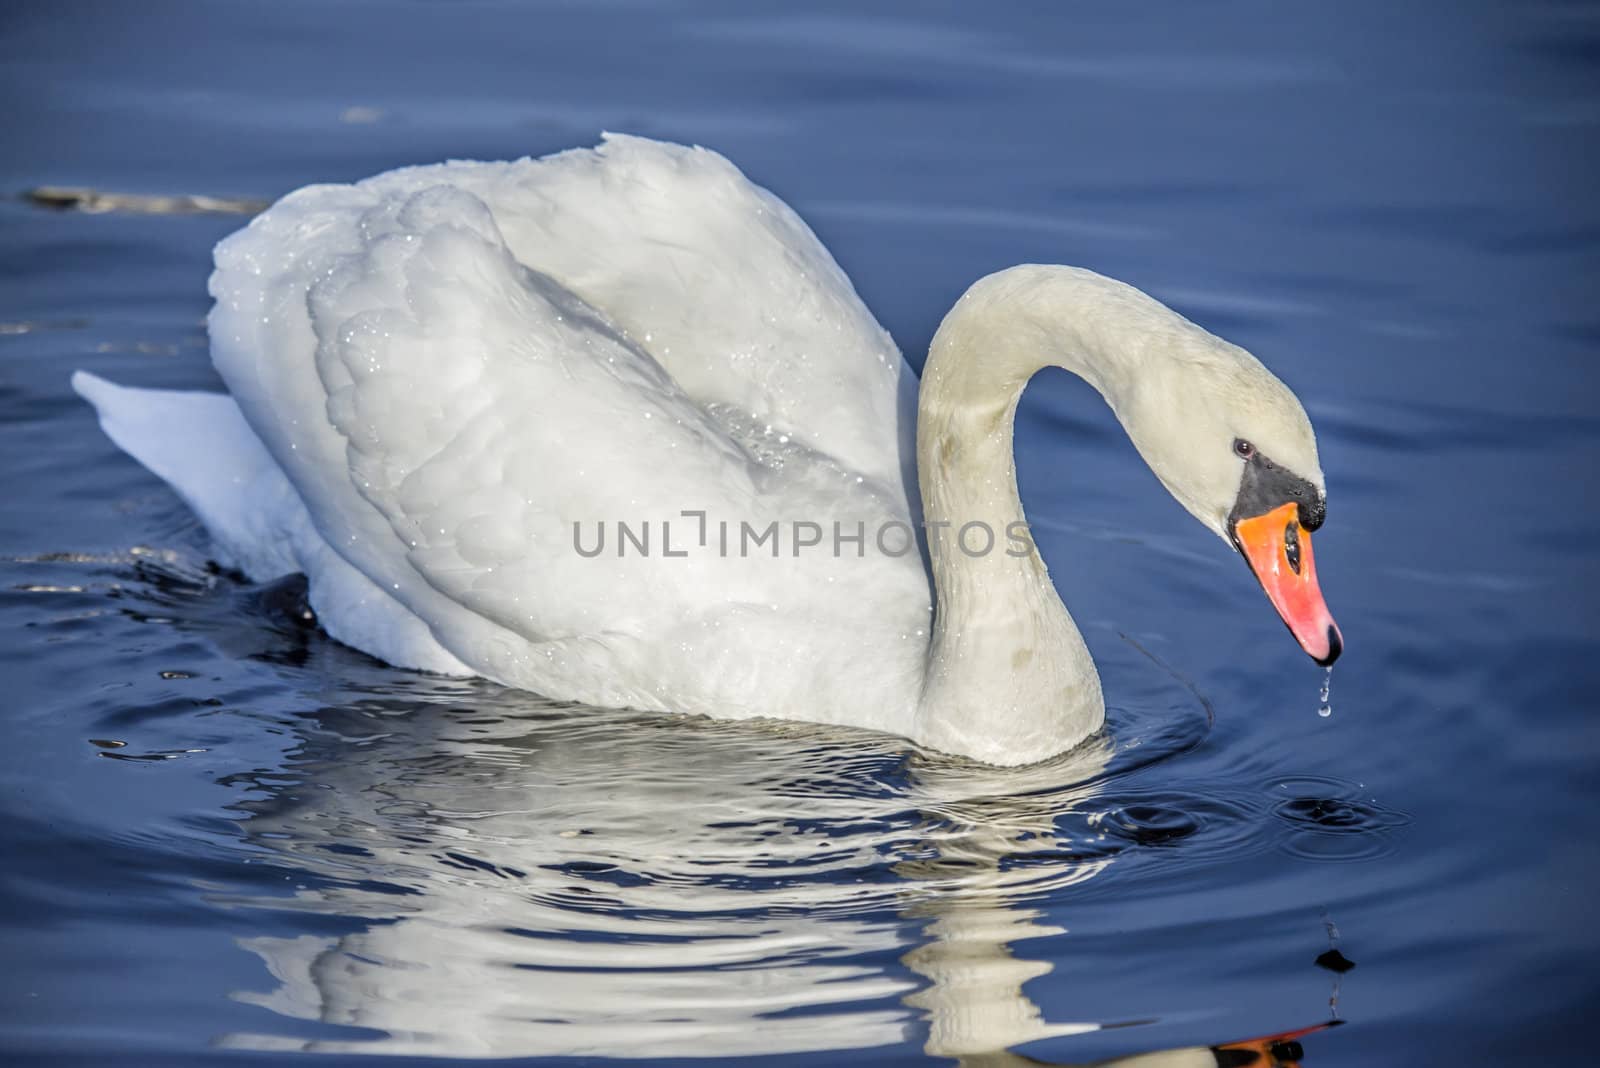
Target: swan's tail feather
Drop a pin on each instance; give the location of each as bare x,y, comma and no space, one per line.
200,445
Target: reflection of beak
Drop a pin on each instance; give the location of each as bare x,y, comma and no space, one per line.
1278,550
1278,1051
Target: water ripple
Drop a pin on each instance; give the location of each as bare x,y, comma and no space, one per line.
1328,819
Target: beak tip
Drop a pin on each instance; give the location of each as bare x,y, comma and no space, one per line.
1335,647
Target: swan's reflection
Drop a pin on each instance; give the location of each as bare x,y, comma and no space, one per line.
525,880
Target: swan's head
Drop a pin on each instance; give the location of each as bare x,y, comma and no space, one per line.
1234,446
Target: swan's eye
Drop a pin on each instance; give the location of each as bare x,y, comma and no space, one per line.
1243,448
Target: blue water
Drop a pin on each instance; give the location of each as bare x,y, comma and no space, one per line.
225,838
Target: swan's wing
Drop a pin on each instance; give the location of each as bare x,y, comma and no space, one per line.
449,416
717,279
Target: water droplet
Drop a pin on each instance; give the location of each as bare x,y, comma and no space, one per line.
1325,709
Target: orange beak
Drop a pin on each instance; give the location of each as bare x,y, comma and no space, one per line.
1278,550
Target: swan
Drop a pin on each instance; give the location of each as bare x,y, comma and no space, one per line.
613,427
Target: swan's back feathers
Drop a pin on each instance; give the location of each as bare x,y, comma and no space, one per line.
718,280
723,284
425,357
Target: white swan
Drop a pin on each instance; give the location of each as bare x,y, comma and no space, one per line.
446,381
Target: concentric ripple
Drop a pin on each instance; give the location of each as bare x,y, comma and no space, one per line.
1329,819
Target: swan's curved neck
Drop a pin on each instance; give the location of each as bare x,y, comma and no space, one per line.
1009,678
